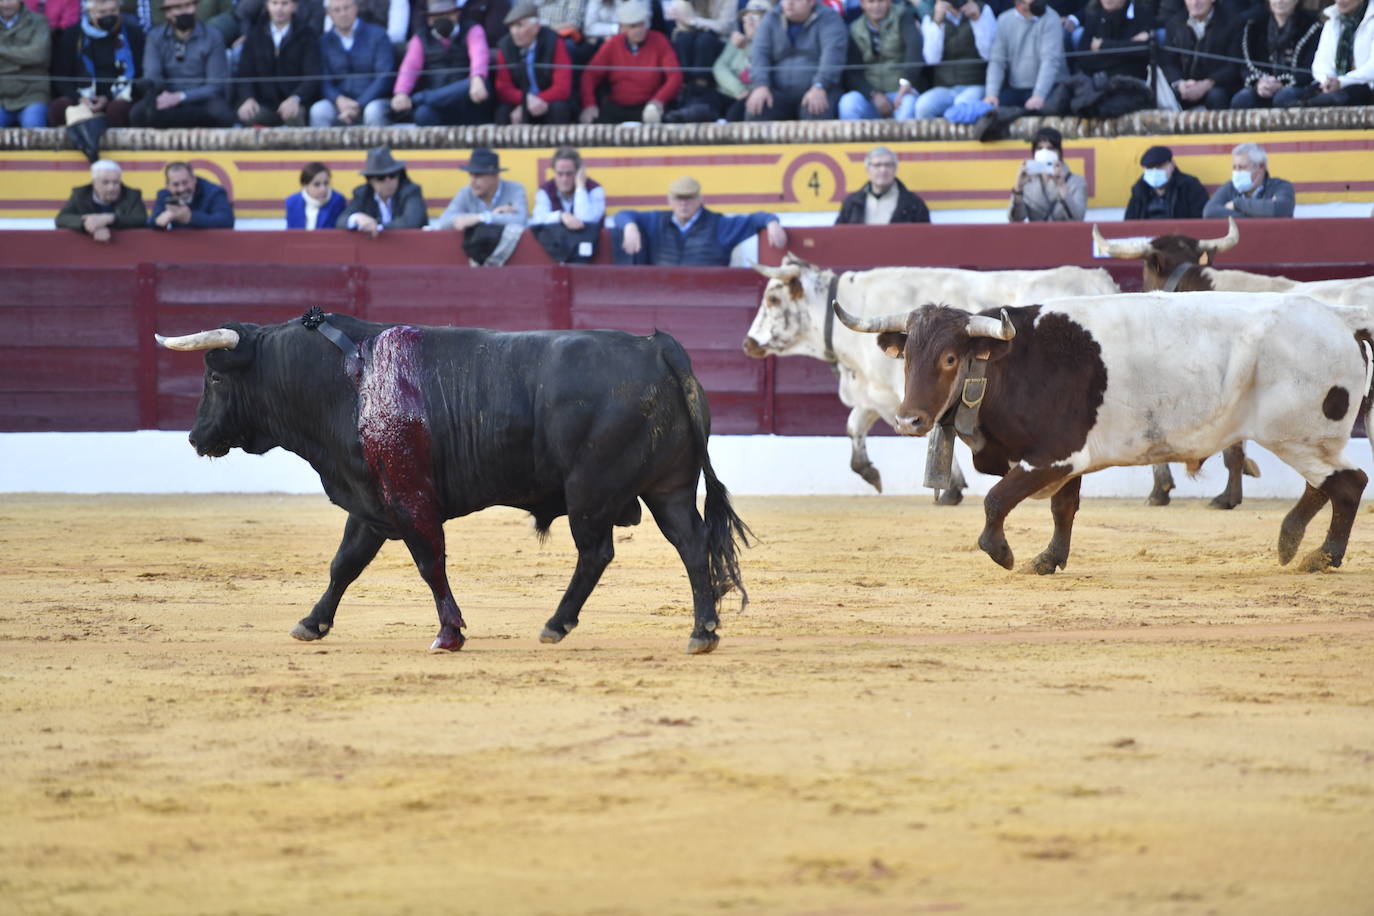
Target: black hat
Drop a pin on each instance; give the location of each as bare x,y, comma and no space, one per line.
381,162
483,161
1156,156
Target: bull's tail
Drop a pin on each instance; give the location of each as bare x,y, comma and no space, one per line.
723,526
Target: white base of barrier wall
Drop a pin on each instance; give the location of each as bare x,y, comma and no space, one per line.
162,462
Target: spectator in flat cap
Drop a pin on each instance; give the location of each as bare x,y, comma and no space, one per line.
387,199
639,70
356,59
796,63
443,76
105,204
1163,191
279,70
533,72
687,234
568,210
491,212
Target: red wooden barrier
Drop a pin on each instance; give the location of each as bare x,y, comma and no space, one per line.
77,353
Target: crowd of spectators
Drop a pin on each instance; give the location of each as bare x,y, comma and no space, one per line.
220,63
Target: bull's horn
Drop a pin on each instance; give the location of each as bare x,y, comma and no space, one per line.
784,274
894,322
983,326
1119,249
205,340
1228,241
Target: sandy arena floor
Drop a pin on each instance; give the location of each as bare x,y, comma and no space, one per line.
1174,725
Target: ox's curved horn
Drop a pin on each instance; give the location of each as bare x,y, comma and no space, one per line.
1228,241
779,273
1120,248
894,322
205,340
983,326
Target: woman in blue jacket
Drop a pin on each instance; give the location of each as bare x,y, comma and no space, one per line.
316,205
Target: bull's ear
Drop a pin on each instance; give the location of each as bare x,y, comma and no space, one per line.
795,290
1154,264
893,343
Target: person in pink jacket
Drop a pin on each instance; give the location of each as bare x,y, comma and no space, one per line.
443,76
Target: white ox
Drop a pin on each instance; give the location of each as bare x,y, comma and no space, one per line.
791,321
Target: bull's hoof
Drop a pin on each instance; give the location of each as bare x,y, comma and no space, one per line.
1318,561
1000,551
1044,565
701,645
307,632
950,498
552,634
1289,539
447,642
1222,501
1249,468
1158,498
870,474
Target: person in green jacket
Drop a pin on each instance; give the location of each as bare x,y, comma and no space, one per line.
732,66
25,51
103,205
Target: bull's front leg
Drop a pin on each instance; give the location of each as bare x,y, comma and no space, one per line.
1005,496
957,484
1063,506
359,545
426,543
861,420
1164,482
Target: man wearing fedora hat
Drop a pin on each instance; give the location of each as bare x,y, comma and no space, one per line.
443,76
639,69
491,212
533,72
388,199
687,234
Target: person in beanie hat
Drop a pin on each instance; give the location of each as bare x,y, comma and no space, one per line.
687,234
1164,192
491,212
387,200
443,76
533,72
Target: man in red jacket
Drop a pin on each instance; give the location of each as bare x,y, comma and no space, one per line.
533,71
640,70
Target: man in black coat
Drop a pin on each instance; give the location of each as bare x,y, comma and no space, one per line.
1200,69
95,63
883,198
279,71
1164,192
388,200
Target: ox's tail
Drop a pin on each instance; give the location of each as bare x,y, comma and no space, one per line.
723,526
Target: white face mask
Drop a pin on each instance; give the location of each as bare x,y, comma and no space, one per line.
1156,178
1240,178
1047,156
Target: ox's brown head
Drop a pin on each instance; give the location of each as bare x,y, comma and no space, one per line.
937,343
1162,255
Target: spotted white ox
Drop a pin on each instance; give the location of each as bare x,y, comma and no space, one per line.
1076,385
794,320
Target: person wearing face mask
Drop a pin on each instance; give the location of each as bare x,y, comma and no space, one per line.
1047,191
104,205
443,76
316,205
186,68
1163,191
1252,191
95,63
1027,56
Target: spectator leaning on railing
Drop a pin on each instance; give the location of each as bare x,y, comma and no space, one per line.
796,63
279,69
491,212
25,49
387,199
687,234
356,59
103,205
189,202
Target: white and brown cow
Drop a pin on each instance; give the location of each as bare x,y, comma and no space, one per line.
1076,385
1180,263
794,319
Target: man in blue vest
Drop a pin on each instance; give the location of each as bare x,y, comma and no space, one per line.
687,234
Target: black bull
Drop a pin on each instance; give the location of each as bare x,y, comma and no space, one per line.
410,426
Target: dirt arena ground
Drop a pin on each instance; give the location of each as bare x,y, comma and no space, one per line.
895,725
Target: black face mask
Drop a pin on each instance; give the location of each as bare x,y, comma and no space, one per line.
184,22
444,27
106,23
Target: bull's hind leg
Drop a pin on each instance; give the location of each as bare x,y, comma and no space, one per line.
591,534
359,545
1164,482
1295,522
678,519
1063,506
1234,457
1344,489
1002,498
426,543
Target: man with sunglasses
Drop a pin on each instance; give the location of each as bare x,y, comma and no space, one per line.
388,199
186,70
